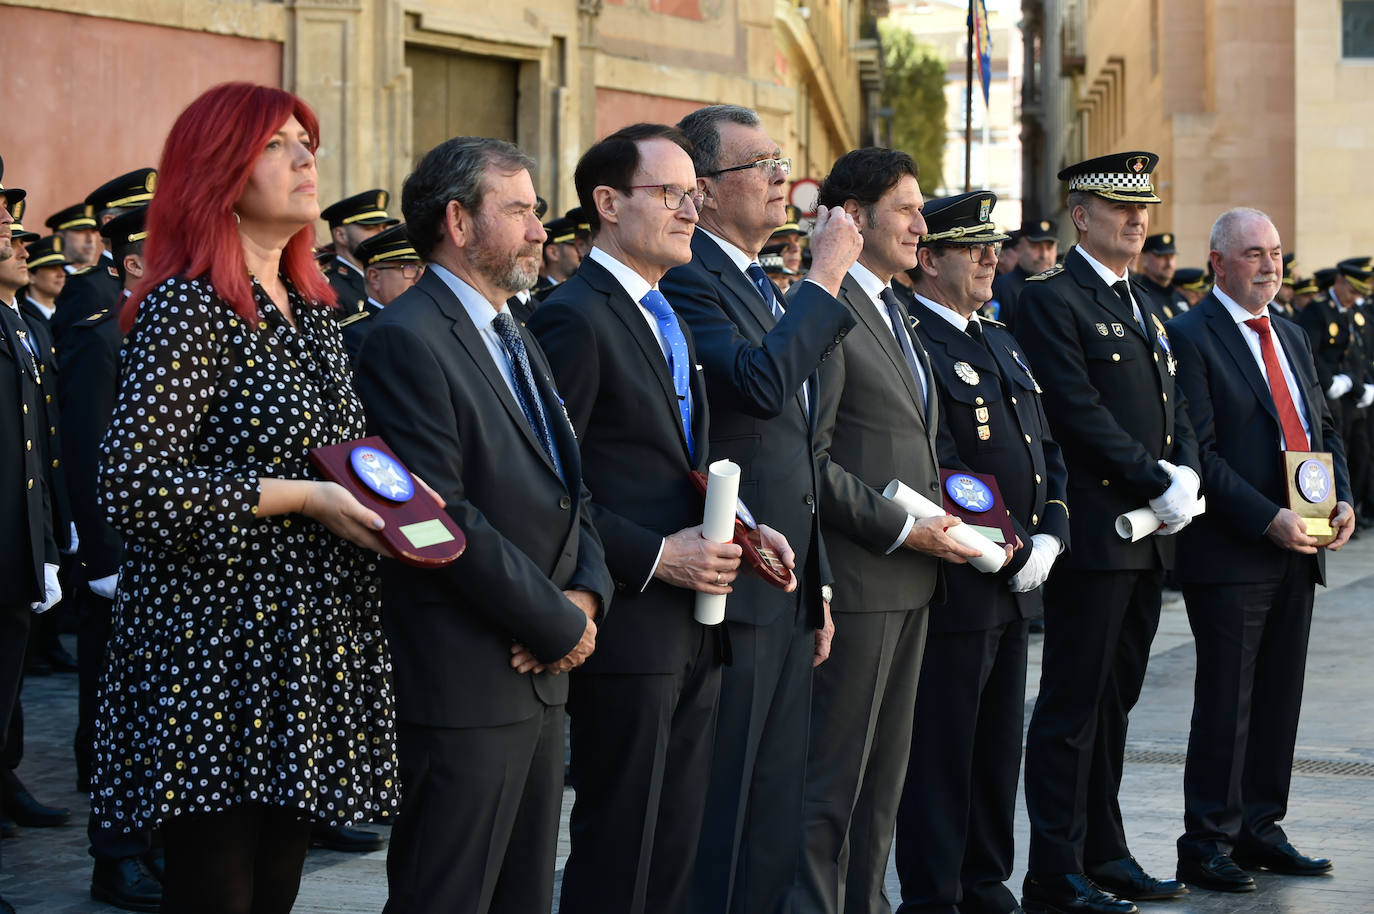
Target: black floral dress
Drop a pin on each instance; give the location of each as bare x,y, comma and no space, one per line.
247,662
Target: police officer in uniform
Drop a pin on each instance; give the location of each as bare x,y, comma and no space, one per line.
560,257
955,823
1037,246
1191,283
351,220
97,287
80,235
1101,354
1158,260
390,266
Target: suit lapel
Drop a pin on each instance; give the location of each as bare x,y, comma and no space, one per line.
1220,322
1289,339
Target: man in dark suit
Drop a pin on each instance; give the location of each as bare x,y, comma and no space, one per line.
464,398
351,221
1037,246
878,420
97,287
1249,567
643,708
759,356
955,822
1101,354
28,553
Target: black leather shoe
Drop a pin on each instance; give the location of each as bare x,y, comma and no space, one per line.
343,838
21,806
8,827
1219,874
1125,878
126,883
1284,858
61,660
1069,894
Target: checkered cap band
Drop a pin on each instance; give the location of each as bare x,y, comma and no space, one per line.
1112,181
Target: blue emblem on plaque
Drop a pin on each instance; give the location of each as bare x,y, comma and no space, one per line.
382,474
1314,482
969,493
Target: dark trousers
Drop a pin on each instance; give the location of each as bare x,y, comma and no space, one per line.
955,824
1355,435
746,859
478,826
862,708
94,624
641,762
1098,629
14,638
245,860
1251,654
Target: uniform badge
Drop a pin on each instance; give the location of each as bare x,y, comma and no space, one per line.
1118,329
1359,319
980,414
1137,163
380,473
984,433
984,207
969,493
966,373
1334,330
1102,329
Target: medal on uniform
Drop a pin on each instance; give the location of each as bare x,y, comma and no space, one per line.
980,414
966,373
1163,338
1021,364
1334,329
1102,329
1118,329
32,363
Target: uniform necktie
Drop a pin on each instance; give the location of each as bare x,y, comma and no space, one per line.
975,332
1293,435
1123,291
765,286
678,361
526,393
894,316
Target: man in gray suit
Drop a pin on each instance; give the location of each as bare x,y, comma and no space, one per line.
877,421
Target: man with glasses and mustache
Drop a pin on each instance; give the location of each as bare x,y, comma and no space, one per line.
955,823
759,355
643,707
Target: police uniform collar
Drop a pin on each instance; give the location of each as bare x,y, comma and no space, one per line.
340,259
952,317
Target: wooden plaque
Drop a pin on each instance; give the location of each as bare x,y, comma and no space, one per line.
1312,491
975,499
764,561
418,531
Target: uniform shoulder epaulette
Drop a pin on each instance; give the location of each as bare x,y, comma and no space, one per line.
1052,271
353,318
83,270
91,320
992,321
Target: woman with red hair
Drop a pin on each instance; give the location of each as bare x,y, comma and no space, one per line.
247,688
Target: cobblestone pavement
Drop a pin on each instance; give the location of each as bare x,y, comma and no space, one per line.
47,871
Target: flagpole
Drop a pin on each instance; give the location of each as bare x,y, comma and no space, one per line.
968,106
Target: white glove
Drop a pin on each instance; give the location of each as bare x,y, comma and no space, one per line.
52,590
1340,386
1367,397
1045,548
1175,504
73,543
105,586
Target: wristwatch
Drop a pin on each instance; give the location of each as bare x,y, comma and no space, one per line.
827,593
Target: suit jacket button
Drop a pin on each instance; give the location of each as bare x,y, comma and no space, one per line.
810,499
1106,482
1166,397
1116,357
1013,401
1035,519
1168,439
1037,479
1028,439
934,487
565,502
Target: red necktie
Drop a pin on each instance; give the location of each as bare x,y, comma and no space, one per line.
1293,434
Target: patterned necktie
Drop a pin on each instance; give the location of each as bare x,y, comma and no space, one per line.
894,316
1293,435
765,286
526,394
678,361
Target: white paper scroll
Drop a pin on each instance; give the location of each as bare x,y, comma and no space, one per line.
992,555
1140,523
718,526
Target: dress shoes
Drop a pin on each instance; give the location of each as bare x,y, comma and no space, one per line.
21,806
126,883
1218,873
343,838
1283,858
1125,878
1069,894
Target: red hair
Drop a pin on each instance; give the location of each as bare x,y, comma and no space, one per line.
207,160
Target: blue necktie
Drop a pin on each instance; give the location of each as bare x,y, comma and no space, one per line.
678,362
894,317
526,394
765,286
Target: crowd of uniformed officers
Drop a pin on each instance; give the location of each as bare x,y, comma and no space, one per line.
554,383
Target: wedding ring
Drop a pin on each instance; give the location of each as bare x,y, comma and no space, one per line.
720,579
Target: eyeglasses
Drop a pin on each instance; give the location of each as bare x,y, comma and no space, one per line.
767,165
674,196
976,252
408,270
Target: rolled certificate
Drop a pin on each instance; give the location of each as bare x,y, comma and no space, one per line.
718,526
1140,523
992,556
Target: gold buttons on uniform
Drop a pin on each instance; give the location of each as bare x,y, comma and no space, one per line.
1035,518
1106,482
1166,397
1168,439
1028,441
1013,401
1116,357
1037,478
978,400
